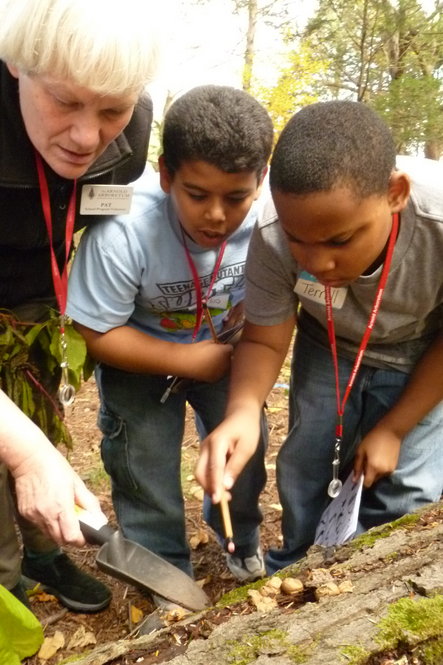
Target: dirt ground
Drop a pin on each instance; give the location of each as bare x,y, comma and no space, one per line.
129,606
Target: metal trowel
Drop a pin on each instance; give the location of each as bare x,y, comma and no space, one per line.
134,564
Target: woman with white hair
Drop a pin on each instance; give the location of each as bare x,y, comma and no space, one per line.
74,116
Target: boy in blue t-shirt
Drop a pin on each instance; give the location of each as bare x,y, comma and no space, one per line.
349,251
142,290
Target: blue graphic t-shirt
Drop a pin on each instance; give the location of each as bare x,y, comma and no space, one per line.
133,270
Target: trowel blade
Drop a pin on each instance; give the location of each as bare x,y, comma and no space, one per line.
134,564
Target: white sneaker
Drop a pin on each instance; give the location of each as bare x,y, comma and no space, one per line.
249,569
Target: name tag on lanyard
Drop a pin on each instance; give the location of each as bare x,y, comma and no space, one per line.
308,287
105,200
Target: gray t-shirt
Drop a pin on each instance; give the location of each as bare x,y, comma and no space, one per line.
411,312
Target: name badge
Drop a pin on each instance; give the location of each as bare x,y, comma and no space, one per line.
308,287
105,200
220,301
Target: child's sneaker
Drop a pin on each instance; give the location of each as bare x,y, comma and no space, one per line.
248,569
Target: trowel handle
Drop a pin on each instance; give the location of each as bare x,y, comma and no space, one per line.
95,530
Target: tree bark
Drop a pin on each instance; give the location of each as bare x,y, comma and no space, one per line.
403,560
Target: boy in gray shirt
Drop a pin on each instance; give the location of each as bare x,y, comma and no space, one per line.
349,250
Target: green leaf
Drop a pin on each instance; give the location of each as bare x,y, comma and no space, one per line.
33,333
20,632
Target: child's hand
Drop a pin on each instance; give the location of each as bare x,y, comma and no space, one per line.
225,452
209,361
377,455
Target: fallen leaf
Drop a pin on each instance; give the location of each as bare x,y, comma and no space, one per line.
51,645
43,597
201,537
205,580
136,614
35,590
81,638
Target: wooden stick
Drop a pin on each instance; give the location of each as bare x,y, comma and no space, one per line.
208,319
227,524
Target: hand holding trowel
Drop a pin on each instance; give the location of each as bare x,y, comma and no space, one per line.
133,563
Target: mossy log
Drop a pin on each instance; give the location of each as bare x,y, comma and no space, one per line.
394,600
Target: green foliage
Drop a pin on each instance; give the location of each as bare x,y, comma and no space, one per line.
370,537
155,144
354,655
411,621
294,87
97,479
412,109
433,652
388,55
246,650
30,357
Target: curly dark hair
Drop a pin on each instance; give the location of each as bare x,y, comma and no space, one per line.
217,124
331,144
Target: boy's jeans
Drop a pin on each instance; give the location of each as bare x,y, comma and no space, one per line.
304,463
141,451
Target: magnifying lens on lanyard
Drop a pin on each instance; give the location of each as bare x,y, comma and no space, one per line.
334,487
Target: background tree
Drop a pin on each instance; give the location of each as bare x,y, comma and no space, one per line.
270,12
295,86
255,14
388,54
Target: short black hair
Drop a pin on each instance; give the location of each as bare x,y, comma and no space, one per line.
330,144
221,125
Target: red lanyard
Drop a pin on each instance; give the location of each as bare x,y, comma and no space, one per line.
367,333
202,300
60,281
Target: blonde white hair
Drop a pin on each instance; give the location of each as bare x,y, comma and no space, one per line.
108,46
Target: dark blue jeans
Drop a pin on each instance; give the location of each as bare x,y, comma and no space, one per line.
304,463
141,451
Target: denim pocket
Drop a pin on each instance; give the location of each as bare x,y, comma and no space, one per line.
115,450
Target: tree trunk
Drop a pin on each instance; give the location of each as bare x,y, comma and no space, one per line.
399,565
433,149
250,42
